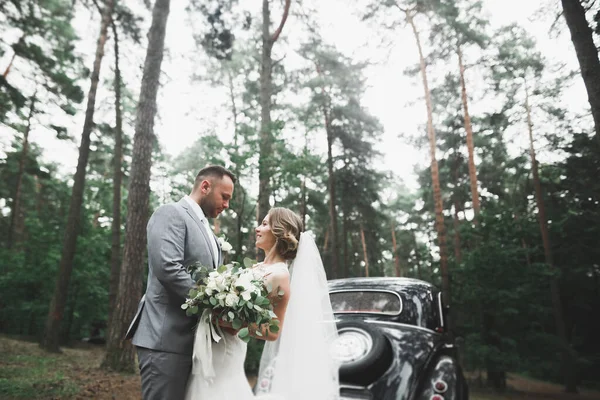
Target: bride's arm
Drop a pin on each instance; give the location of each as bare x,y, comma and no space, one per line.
279,282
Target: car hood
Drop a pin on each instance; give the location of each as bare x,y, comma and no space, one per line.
413,347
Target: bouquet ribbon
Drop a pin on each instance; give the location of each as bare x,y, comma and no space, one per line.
206,332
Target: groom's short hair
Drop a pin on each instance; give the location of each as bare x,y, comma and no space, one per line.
213,171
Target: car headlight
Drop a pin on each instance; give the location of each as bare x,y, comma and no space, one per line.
351,345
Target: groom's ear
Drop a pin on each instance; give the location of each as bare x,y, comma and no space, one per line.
205,186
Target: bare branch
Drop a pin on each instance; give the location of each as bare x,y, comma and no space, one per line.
286,11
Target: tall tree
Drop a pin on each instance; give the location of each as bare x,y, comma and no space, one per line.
15,233
458,28
409,9
115,250
50,340
519,63
120,354
582,37
437,195
266,137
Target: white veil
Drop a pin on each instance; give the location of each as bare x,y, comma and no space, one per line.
299,365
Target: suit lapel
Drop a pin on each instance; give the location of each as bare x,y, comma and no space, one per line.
207,235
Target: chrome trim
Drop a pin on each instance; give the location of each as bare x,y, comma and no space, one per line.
441,310
369,290
440,391
352,387
368,343
374,321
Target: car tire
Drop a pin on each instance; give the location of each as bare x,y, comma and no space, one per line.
371,365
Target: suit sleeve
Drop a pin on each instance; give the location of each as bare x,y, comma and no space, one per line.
166,241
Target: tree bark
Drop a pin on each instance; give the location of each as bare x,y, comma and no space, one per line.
115,250
50,340
469,131
457,209
582,37
395,251
435,176
417,257
266,91
326,107
567,362
120,354
364,247
17,225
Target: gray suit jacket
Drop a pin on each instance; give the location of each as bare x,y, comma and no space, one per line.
176,239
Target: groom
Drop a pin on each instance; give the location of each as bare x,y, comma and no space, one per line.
178,235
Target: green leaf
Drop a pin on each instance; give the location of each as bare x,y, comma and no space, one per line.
194,309
236,324
222,269
248,262
192,293
213,301
274,328
257,333
243,333
184,306
281,292
231,315
269,287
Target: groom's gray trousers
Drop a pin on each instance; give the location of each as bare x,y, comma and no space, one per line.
161,331
164,375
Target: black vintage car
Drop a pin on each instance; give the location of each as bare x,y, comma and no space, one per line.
392,341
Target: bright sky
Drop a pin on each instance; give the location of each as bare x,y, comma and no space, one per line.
185,109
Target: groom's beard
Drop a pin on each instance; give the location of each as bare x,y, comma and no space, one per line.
208,208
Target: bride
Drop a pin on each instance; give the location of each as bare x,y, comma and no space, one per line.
296,363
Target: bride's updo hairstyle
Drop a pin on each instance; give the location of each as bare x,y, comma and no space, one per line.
286,226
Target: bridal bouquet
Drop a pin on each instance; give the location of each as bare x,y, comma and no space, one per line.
233,293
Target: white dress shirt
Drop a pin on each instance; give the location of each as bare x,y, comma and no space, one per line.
198,211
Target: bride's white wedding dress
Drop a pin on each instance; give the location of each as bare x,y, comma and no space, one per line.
228,356
298,365
229,381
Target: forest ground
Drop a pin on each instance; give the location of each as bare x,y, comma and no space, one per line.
27,372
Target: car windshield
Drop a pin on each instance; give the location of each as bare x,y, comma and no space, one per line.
373,302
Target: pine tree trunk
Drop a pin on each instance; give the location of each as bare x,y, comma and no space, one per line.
395,252
332,200
265,161
582,37
15,233
435,177
344,236
330,181
236,161
364,247
120,354
469,130
115,250
303,207
417,256
457,209
50,341
567,362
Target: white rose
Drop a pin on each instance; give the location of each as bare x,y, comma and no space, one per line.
246,295
244,282
225,246
231,300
